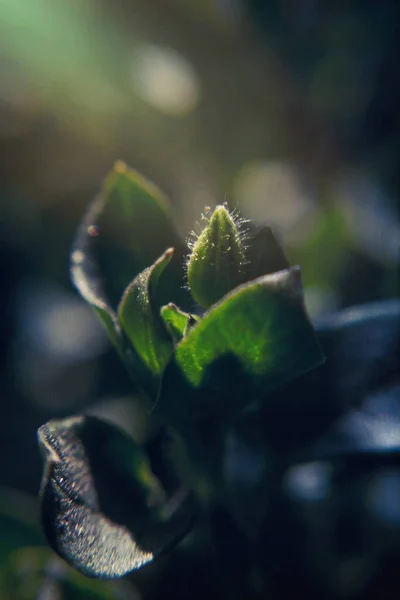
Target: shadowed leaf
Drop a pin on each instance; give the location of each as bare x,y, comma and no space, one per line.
265,254
257,338
103,510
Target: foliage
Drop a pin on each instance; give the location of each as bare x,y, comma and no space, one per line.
230,390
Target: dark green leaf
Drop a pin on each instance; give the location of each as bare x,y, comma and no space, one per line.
176,321
256,339
143,325
103,510
265,254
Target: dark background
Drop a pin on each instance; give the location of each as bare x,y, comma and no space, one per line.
287,108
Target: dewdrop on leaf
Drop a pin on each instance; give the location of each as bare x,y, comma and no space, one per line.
216,263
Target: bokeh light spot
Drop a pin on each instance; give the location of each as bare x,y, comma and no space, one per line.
93,230
308,482
166,80
272,189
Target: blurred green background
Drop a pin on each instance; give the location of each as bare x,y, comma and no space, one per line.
288,109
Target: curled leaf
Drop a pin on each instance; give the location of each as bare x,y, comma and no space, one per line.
85,277
103,510
143,325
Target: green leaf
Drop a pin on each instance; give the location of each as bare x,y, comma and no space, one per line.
143,325
103,509
134,209
216,261
135,227
137,201
176,321
256,339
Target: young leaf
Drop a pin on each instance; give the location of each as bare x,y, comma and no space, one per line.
103,510
215,265
254,340
176,321
143,325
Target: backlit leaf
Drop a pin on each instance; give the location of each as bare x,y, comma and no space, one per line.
143,325
256,339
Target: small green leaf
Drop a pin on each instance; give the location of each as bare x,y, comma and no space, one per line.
256,339
176,321
215,265
143,325
103,509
